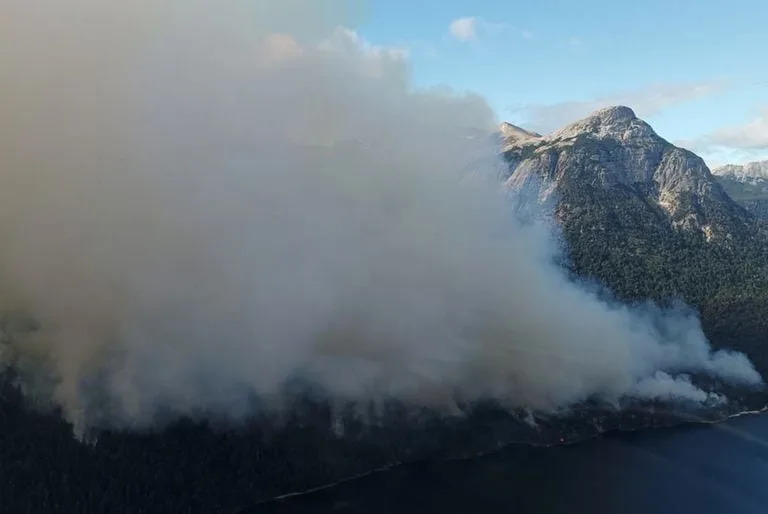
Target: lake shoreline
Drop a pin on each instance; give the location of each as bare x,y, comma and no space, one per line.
533,444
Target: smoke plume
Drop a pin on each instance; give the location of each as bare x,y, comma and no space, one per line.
204,202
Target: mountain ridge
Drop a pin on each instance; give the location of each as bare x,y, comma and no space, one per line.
613,149
744,172
747,184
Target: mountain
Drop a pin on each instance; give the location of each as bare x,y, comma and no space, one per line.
749,173
747,184
617,161
648,220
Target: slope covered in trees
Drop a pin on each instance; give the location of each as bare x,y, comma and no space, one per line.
648,220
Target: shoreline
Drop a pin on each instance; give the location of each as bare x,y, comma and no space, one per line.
502,447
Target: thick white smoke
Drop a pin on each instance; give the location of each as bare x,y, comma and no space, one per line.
203,201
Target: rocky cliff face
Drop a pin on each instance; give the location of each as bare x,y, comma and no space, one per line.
636,176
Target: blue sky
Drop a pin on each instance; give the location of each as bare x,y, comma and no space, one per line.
694,69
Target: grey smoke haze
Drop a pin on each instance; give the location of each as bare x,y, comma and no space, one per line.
203,200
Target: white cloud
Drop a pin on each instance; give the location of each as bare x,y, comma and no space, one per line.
646,101
348,40
278,48
464,29
752,135
733,143
473,28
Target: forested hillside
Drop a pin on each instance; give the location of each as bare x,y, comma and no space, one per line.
648,220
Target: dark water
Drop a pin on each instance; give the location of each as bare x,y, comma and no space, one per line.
719,469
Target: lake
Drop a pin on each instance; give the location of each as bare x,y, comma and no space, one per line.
694,469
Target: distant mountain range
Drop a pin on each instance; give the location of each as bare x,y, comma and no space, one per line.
650,221
747,184
750,172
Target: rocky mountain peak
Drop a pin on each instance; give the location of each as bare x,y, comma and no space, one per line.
617,122
513,135
615,114
612,156
510,130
